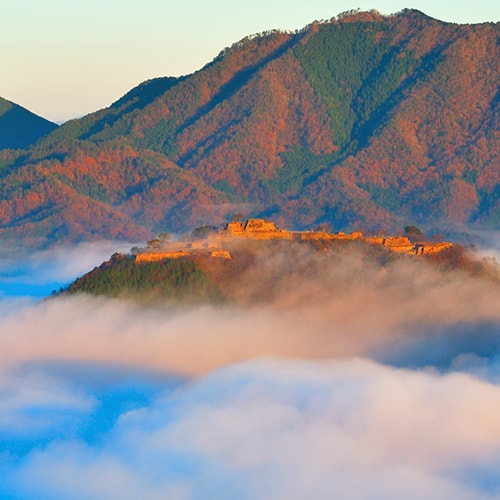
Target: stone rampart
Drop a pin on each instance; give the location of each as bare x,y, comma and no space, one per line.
221,254
430,248
356,235
312,235
402,244
260,225
235,227
255,229
397,241
155,256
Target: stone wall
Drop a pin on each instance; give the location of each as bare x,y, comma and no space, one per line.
402,244
356,235
430,248
312,235
260,225
155,256
235,227
221,254
256,229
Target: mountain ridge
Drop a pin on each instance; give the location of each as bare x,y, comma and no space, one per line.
363,121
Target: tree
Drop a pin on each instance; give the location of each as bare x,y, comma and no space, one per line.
414,233
203,231
323,227
237,216
154,243
117,256
164,238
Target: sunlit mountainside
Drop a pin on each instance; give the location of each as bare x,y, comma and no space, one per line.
20,128
361,122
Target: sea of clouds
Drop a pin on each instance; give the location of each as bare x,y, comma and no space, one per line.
346,381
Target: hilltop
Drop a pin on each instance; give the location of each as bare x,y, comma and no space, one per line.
363,121
253,261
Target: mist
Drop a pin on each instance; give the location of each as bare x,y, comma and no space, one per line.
36,274
352,380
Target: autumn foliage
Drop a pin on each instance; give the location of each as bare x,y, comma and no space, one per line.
361,122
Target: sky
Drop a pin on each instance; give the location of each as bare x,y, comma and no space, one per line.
63,59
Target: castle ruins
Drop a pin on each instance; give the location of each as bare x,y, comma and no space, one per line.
216,244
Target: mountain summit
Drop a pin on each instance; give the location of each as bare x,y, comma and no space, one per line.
364,121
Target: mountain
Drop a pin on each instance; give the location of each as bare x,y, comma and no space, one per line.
20,128
362,122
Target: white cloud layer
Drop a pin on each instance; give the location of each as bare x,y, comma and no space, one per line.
350,428
355,382
60,264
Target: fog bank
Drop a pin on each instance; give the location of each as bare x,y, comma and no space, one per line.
352,378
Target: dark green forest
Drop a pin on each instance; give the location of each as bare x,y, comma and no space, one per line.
179,280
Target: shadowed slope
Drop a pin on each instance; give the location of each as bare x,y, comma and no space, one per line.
19,128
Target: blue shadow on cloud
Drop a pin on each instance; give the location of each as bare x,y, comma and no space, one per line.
113,390
471,347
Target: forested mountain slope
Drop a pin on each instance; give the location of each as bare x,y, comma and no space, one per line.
364,122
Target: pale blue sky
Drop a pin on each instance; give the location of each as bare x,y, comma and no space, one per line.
65,58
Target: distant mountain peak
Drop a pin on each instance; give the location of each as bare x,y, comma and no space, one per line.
20,128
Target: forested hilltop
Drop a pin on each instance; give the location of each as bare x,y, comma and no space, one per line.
258,271
361,122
